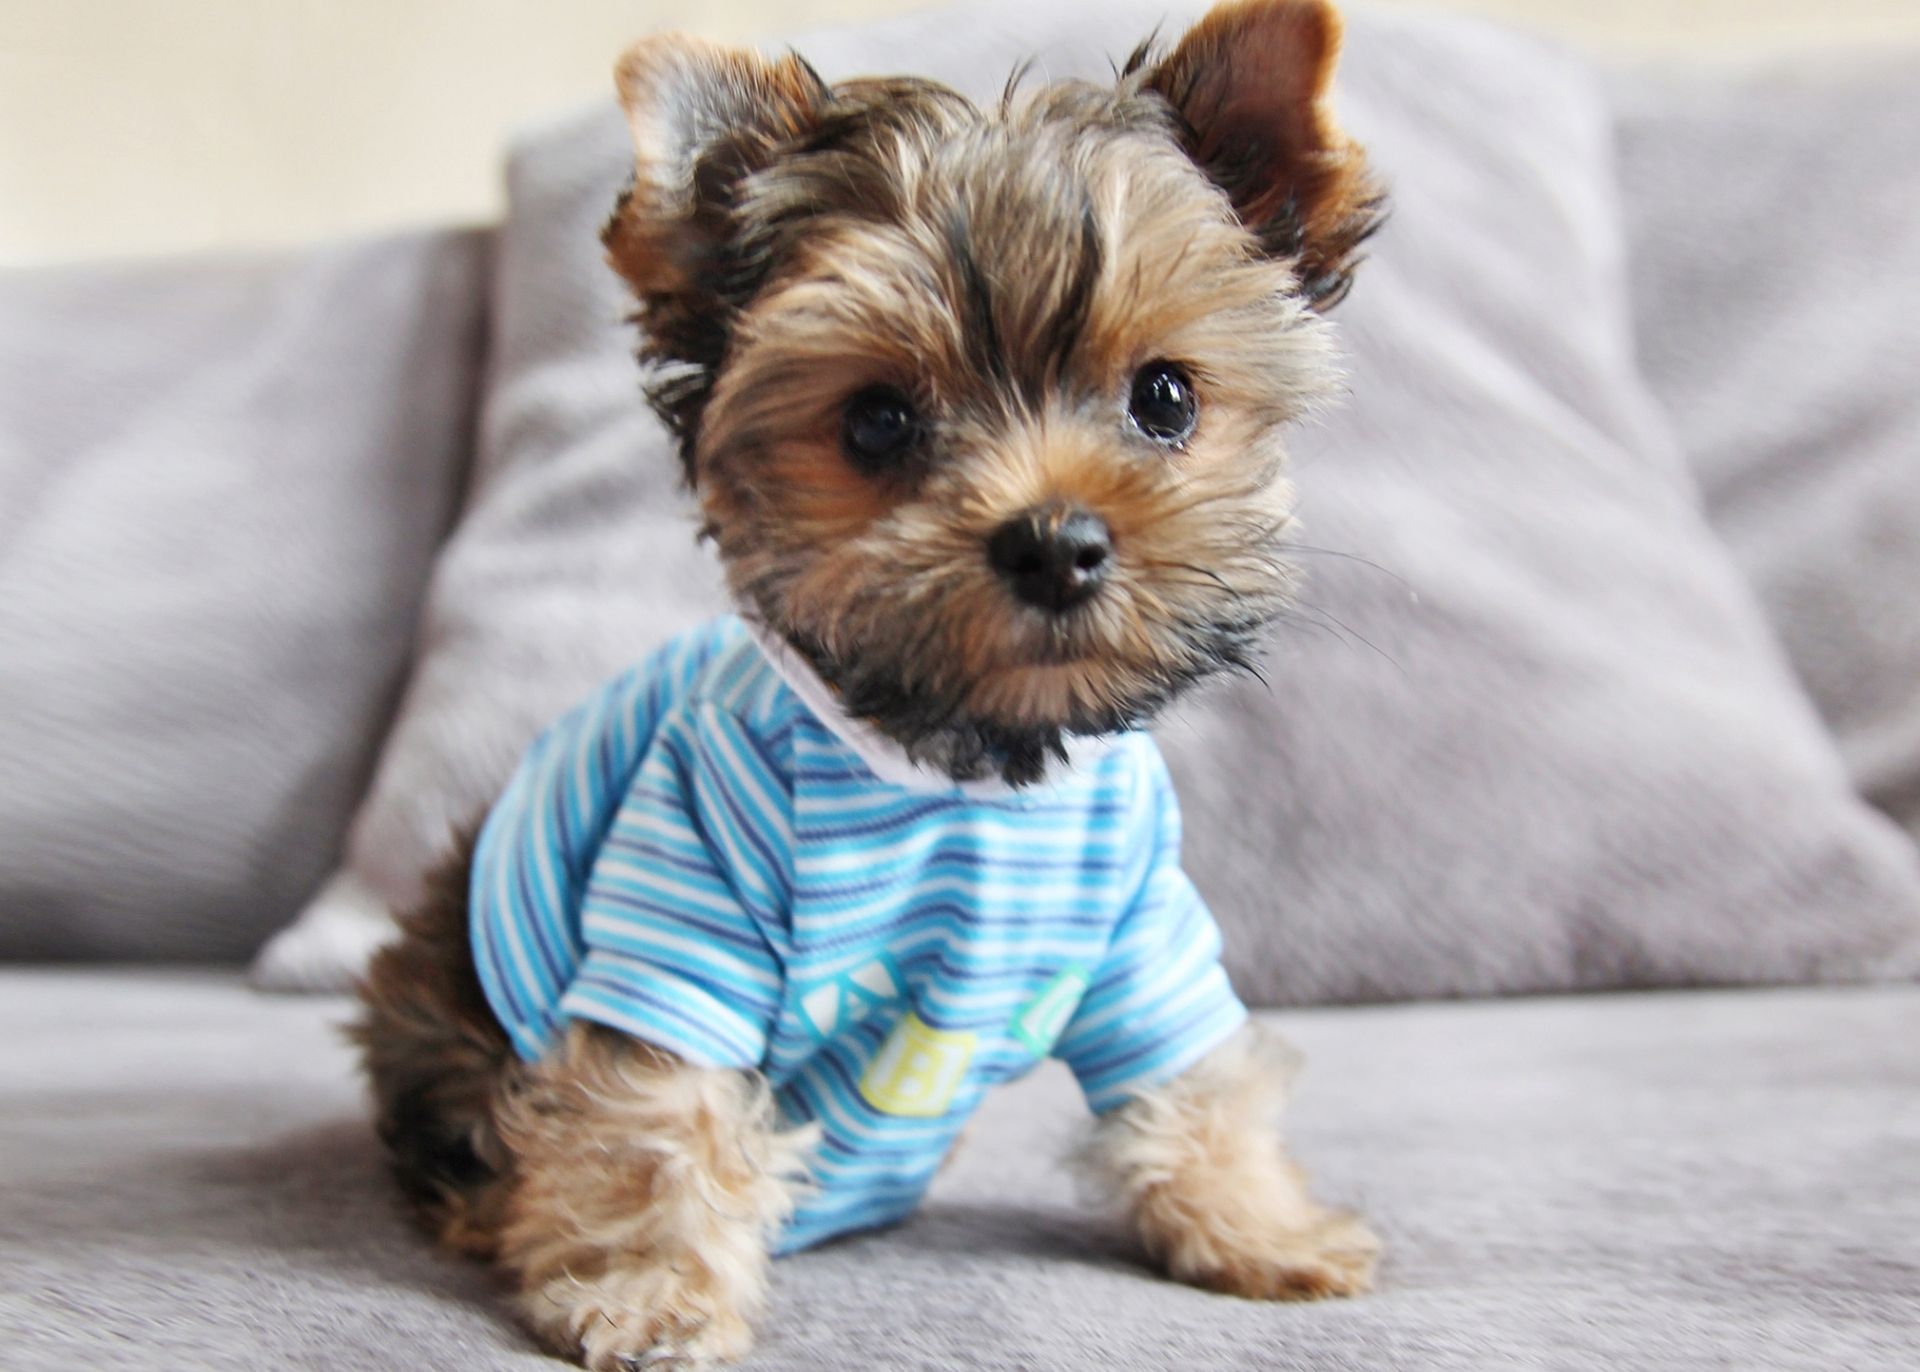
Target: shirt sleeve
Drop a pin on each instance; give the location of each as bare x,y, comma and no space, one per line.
687,902
1160,1000
535,852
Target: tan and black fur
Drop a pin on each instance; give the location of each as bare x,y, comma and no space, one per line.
1008,272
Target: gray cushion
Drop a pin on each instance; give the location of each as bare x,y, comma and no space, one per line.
1652,1182
221,487
1775,225
1529,729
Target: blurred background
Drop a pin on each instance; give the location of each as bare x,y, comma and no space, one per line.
139,126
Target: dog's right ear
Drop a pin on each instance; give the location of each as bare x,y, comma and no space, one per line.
703,118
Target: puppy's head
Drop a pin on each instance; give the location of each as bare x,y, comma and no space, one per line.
982,406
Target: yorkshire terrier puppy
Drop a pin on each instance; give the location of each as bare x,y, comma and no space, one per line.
982,408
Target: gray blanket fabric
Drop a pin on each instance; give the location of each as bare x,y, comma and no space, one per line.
1656,1182
1774,220
1529,729
222,482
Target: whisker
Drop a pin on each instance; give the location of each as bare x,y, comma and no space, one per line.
1354,633
1294,620
1349,557
1206,572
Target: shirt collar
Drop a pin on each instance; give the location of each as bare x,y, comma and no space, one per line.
885,758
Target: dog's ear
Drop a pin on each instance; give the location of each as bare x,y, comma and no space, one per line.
703,118
1249,90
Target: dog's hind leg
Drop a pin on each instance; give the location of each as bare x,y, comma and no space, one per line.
438,1063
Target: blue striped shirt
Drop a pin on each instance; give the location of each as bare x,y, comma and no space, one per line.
699,857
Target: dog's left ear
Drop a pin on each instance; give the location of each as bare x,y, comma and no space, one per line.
1249,88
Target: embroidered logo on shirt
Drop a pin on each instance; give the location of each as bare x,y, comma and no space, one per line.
1041,1020
850,997
918,1069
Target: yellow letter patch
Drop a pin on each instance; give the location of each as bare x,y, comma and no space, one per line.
918,1069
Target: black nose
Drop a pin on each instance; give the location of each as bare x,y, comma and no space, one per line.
1054,556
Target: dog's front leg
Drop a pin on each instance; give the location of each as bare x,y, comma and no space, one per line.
646,1192
1201,1169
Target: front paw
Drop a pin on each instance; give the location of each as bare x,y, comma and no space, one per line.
1335,1256
643,1319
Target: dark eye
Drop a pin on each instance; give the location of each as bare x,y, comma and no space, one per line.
1162,403
878,428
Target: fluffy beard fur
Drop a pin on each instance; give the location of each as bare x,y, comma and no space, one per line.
1009,269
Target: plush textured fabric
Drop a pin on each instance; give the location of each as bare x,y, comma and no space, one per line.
1774,220
1528,730
222,483
1659,1182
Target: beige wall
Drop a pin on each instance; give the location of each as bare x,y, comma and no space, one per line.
135,126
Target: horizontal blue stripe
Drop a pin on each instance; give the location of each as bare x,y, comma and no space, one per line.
612,909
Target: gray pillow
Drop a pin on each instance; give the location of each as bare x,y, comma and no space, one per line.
1774,219
1545,743
221,487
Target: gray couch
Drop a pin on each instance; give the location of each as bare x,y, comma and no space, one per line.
1660,1180
1616,832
